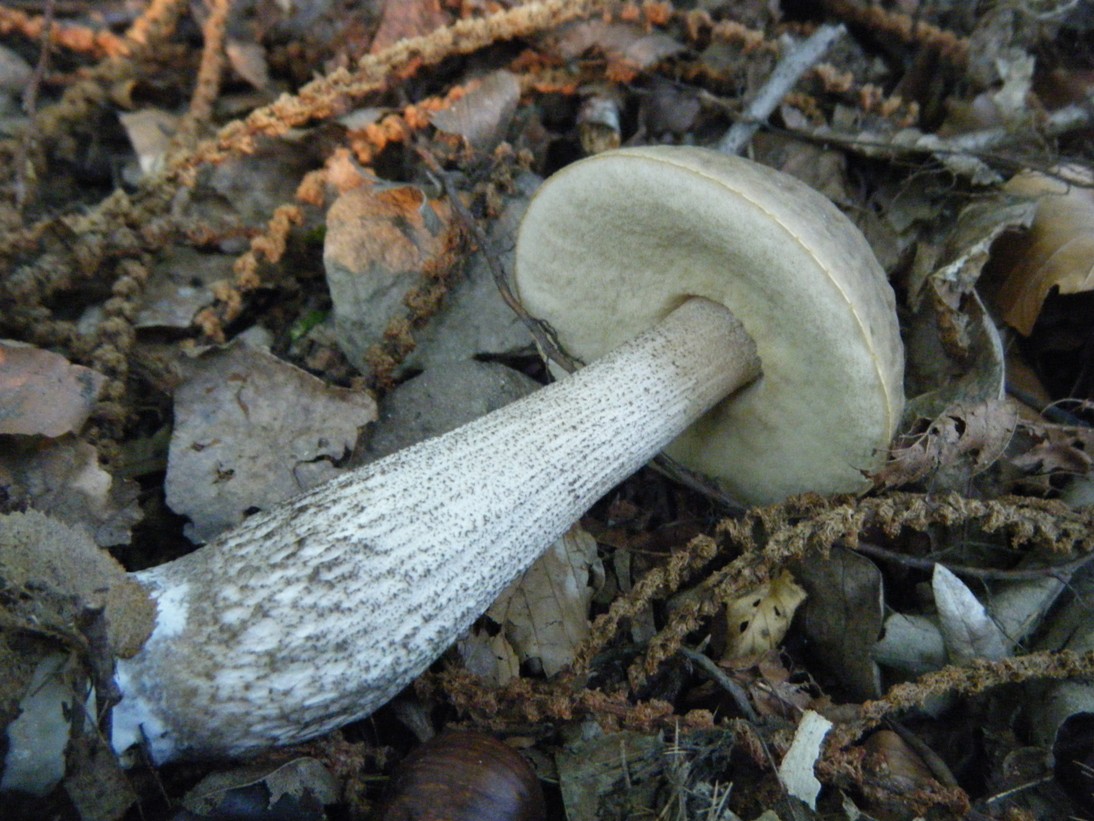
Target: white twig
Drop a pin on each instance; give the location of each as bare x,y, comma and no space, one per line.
792,66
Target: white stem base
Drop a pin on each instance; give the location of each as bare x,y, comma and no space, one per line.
317,612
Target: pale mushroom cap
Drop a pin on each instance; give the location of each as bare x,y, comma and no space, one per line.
613,243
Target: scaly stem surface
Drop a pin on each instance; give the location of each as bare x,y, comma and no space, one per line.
316,612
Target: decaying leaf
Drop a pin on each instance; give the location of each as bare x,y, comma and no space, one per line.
150,131
181,284
1019,606
42,393
1056,449
252,430
969,632
1056,252
892,762
964,440
628,47
912,645
248,58
953,349
544,615
842,617
297,788
15,72
772,688
52,572
28,702
758,620
64,479
489,656
482,115
608,770
406,18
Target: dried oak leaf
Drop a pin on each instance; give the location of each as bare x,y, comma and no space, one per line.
1056,252
1056,449
971,437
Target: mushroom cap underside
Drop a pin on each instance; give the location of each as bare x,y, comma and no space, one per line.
613,243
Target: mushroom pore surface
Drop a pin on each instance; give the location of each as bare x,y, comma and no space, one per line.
611,244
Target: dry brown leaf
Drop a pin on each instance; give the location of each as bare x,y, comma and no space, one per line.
149,131
545,614
483,114
407,18
897,760
42,393
758,620
1056,252
252,430
771,687
249,61
970,436
1057,449
842,618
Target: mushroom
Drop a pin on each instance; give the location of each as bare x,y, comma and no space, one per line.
662,265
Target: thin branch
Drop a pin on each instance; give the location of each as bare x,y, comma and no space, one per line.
789,70
719,677
1062,572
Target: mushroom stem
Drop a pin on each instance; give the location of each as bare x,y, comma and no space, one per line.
315,613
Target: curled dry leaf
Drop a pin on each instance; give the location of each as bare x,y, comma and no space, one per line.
965,439
1056,252
758,620
967,629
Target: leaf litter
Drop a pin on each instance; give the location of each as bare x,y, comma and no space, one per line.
945,634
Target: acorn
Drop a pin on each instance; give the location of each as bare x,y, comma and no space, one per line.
464,776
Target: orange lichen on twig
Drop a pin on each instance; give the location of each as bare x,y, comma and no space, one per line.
901,26
83,98
207,87
969,680
326,96
74,38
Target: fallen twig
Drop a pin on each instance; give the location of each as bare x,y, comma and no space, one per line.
790,68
